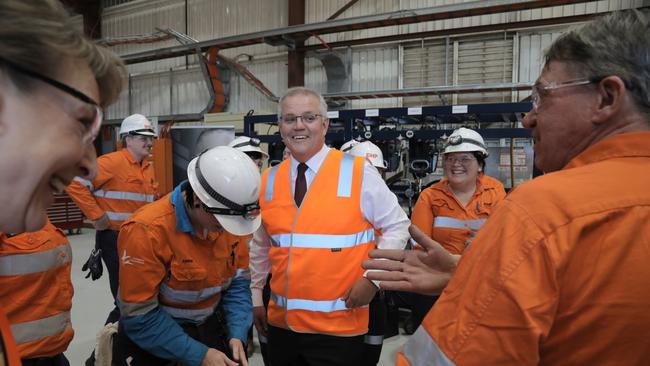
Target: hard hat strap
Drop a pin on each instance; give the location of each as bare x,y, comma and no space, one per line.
457,140
251,142
232,208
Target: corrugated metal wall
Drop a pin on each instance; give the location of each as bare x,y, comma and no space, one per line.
516,57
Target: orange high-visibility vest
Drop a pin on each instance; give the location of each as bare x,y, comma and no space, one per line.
317,249
181,273
36,290
121,187
442,217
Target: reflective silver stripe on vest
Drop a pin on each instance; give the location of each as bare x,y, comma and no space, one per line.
422,350
190,296
136,308
22,264
269,183
323,240
41,328
118,216
85,182
345,176
197,315
450,222
373,340
243,273
325,306
119,195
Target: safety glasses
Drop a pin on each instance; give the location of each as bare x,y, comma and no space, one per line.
542,89
92,123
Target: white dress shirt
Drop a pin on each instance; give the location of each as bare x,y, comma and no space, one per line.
379,207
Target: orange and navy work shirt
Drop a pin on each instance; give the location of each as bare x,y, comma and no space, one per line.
317,249
559,275
121,187
440,215
36,290
163,263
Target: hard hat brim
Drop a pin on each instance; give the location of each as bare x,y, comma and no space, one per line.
238,225
144,133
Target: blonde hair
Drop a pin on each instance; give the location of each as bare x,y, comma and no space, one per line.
39,35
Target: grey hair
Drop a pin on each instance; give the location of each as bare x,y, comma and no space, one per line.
616,44
40,36
301,90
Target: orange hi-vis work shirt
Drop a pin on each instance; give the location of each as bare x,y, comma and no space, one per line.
559,275
317,249
121,187
183,274
8,350
36,290
440,215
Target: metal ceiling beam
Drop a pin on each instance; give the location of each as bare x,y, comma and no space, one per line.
301,32
457,31
437,90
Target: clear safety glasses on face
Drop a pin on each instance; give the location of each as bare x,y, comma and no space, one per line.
462,160
93,120
305,117
540,90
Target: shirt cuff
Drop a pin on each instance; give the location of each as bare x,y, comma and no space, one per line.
257,297
374,282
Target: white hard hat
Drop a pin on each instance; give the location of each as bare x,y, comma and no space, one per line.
228,183
247,144
370,151
137,124
465,140
349,145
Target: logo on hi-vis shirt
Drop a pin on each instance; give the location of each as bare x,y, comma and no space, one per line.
127,259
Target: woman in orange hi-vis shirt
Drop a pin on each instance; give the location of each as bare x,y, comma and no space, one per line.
453,210
54,83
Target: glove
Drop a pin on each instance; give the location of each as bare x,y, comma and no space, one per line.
94,264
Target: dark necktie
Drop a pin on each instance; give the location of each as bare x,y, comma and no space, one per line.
301,184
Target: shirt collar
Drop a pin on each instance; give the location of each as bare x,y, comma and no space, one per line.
183,222
625,145
314,162
128,155
131,159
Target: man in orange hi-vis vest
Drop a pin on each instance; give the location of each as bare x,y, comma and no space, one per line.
559,274
320,210
124,183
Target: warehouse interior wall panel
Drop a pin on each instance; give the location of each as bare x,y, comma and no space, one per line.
209,19
372,68
142,18
272,72
517,56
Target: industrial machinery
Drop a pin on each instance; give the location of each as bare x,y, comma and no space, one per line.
411,140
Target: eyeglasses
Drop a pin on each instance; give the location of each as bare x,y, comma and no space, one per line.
542,89
463,160
92,124
306,118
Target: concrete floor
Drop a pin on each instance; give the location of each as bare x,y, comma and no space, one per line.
92,302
